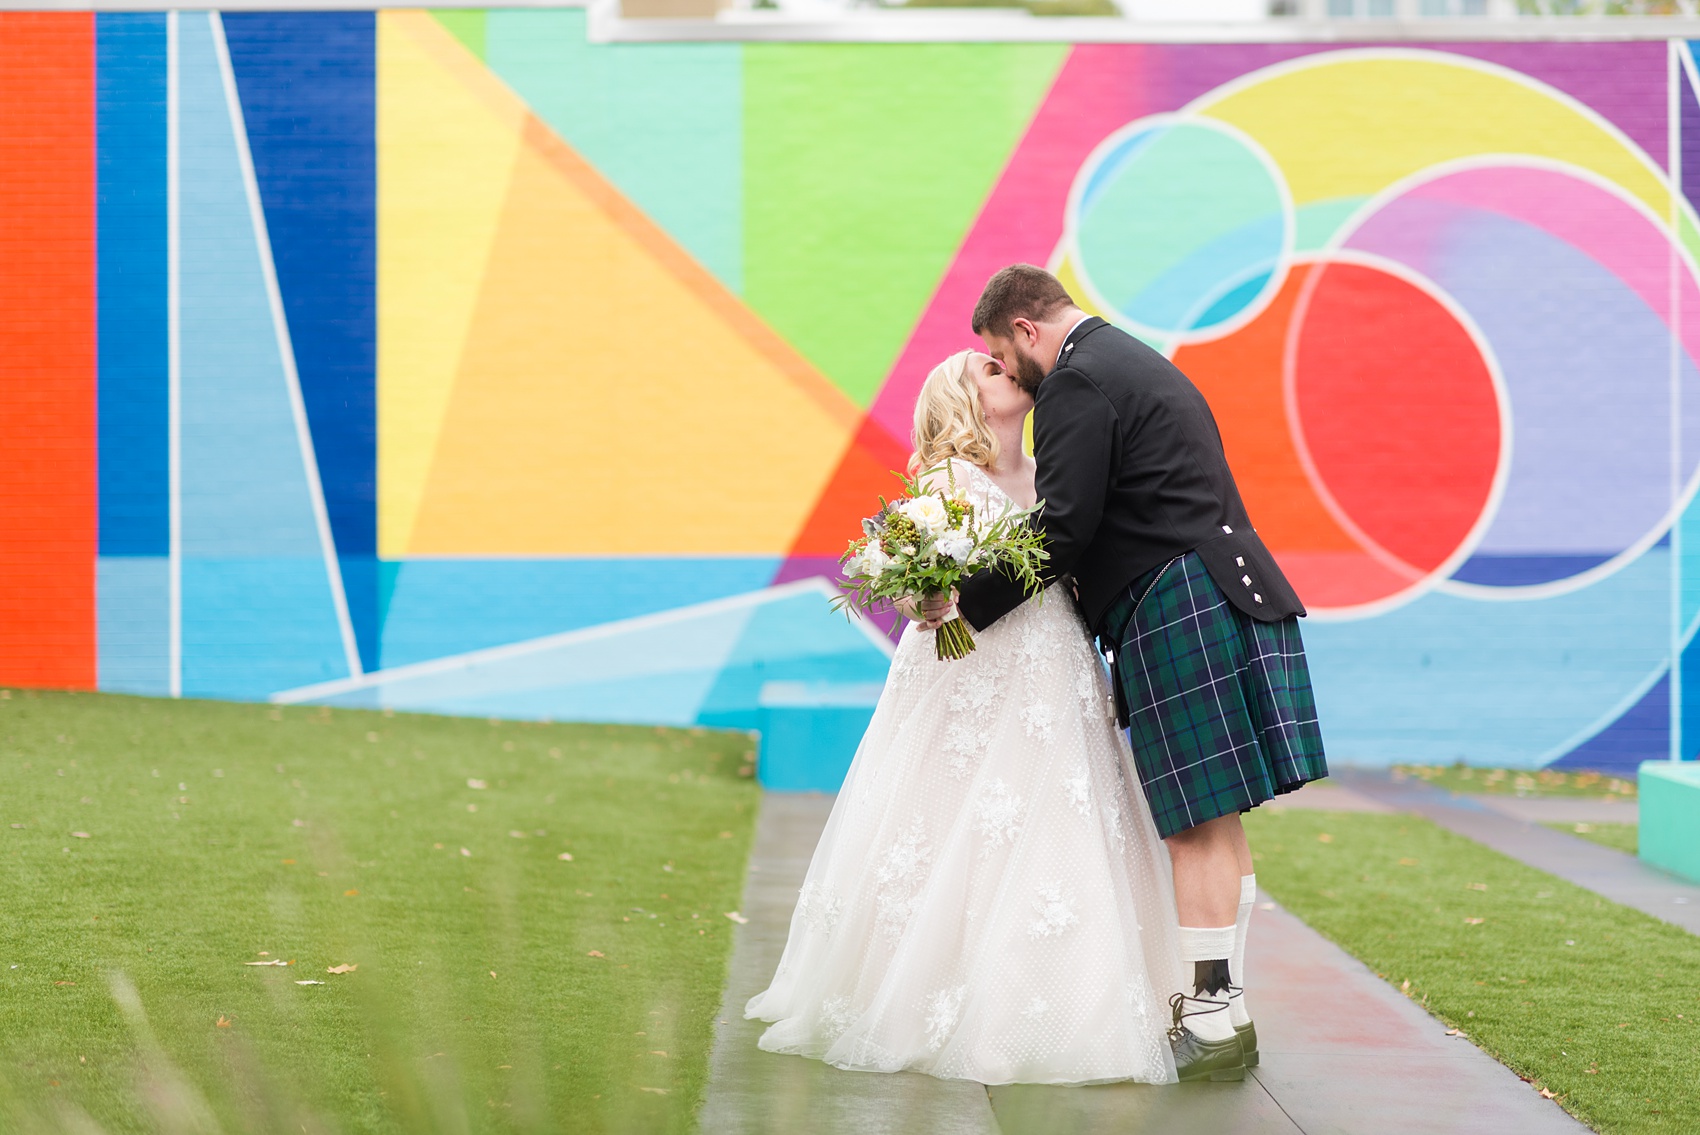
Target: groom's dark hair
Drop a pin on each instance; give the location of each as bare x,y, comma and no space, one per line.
1021,291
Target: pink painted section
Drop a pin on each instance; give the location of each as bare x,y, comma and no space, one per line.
1609,230
1099,89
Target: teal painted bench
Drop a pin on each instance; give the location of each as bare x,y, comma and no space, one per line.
1670,816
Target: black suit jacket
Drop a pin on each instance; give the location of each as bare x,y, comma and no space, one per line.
1132,474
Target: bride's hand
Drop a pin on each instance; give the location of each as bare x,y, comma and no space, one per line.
937,610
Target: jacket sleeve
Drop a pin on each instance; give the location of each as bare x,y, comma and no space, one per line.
1074,443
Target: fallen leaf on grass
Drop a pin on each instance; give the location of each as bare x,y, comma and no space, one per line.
566,855
1407,863
492,973
474,782
223,1022
1548,1094
272,962
309,983
517,834
291,862
1324,837
349,894
1456,1032
64,983
596,954
736,917
344,968
654,1091
658,1052
723,835
1475,886
466,853
1474,921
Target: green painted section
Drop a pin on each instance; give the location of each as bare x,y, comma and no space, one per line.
466,25
663,122
863,170
1670,816
1315,224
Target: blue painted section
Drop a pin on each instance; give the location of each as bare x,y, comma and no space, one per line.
1518,571
663,122
434,608
307,85
133,609
808,684
784,664
258,613
130,94
1641,734
1497,683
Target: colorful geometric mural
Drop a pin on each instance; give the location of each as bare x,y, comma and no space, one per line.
450,362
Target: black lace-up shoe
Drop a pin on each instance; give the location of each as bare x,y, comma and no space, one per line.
1198,1059
1248,1042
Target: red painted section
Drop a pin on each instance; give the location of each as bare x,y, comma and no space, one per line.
1398,412
864,475
47,350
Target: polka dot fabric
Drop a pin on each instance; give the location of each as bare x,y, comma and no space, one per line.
989,900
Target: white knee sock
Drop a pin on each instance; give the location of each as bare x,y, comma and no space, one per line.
1236,964
1207,1014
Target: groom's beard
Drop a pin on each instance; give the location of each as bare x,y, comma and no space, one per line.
1027,373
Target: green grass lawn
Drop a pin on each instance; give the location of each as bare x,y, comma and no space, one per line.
1595,1002
1518,782
537,914
1618,837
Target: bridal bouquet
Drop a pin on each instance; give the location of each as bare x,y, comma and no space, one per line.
926,542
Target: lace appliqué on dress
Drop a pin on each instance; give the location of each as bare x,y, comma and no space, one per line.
835,1017
818,907
1079,789
898,881
1037,718
943,1009
999,813
1055,908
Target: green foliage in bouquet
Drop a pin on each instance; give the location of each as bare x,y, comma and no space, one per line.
927,541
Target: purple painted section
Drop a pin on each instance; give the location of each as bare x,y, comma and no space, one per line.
1622,82
1641,734
1690,138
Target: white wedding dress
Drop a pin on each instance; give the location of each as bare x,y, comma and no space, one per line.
989,900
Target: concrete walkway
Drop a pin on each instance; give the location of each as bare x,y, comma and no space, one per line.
1343,1052
1513,827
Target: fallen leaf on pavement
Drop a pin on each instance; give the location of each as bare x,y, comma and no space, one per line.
736,917
1456,1032
344,968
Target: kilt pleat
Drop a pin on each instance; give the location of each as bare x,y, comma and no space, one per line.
1220,709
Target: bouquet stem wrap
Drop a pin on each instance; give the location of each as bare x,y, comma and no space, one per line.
954,640
933,538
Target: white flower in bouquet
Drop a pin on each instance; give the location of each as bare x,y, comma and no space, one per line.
957,544
873,560
927,512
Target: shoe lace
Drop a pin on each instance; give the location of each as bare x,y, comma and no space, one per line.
1177,1006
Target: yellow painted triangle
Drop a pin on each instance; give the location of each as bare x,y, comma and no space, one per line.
445,150
613,399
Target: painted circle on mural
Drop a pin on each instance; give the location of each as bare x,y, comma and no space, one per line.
1569,280
1179,225
1456,285
1394,412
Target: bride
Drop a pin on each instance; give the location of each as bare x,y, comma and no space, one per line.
989,900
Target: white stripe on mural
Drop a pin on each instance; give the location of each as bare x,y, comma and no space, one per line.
816,585
286,350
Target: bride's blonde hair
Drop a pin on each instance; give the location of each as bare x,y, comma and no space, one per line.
948,419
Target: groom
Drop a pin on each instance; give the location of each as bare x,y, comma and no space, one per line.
1199,624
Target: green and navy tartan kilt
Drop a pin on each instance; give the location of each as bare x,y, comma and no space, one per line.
1220,710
